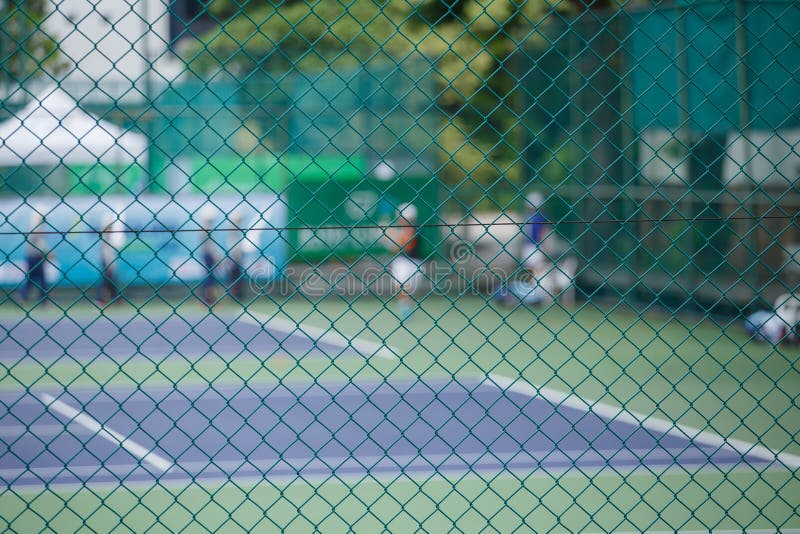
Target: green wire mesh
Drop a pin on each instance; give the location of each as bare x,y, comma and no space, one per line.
399,266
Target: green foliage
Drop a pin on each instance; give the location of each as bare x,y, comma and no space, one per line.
25,48
299,35
471,45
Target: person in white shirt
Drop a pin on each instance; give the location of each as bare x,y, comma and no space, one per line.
111,241
405,267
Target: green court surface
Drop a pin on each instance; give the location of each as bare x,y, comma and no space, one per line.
520,503
697,372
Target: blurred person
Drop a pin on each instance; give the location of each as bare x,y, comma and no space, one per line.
236,246
536,228
208,256
781,324
111,241
36,259
405,267
546,279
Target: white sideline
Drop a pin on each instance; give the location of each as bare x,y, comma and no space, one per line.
15,431
195,468
86,421
614,413
362,346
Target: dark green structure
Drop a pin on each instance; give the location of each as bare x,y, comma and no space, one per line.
644,116
342,216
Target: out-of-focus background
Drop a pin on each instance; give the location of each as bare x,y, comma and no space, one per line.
198,215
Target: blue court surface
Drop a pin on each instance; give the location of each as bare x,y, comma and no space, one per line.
190,337
382,428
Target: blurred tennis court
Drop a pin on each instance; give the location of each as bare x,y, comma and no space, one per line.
354,429
263,395
187,336
442,265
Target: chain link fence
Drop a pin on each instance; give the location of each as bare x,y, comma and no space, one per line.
399,266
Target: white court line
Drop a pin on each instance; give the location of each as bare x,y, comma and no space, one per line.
17,431
200,468
344,478
614,413
504,459
76,470
86,421
316,334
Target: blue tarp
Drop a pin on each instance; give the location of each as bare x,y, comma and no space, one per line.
162,244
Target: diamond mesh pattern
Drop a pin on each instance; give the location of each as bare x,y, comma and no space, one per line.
399,266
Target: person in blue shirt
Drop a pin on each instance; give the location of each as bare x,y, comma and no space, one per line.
536,229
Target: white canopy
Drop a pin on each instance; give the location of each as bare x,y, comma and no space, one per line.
53,130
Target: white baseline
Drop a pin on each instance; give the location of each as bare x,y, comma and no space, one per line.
613,413
316,334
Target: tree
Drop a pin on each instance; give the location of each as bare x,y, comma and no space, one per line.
25,49
297,35
470,44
